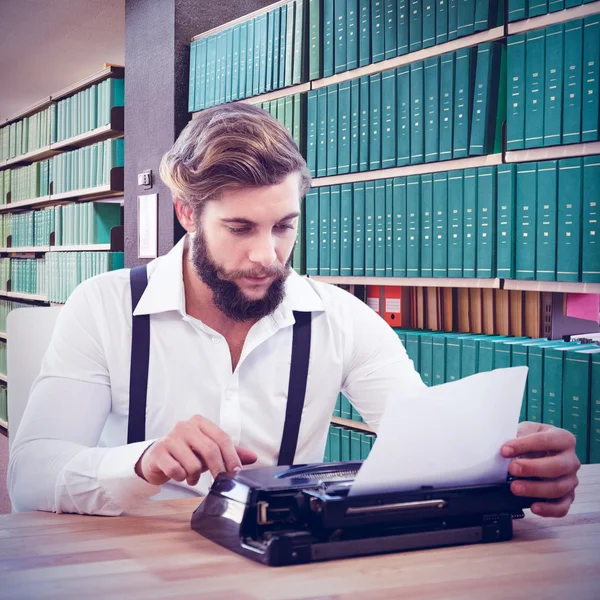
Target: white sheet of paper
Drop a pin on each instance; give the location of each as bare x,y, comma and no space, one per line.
448,435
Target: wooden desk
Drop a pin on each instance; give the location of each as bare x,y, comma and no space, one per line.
153,553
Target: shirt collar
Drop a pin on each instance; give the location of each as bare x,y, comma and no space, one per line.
165,290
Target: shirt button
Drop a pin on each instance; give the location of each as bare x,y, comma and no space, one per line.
216,339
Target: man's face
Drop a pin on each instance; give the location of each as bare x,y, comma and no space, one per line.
243,245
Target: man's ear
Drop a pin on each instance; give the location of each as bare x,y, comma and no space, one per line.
185,215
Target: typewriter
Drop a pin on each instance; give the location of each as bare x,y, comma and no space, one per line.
303,513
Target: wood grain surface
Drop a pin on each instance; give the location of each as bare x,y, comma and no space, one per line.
153,553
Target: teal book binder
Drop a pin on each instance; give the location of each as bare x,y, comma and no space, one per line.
505,253
534,94
426,226
572,82
432,109
515,118
447,64
590,251
470,223
553,100
403,115
547,193
525,217
416,113
568,262
335,226
358,230
370,229
399,226
440,225
456,219
375,121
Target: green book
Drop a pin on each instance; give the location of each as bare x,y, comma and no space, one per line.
354,124
463,97
389,227
572,82
441,21
334,240
440,225
535,48
375,121
470,181
591,79
403,115
525,221
486,225
339,51
455,223
595,410
515,118
568,263
358,230
363,123
325,230
364,41
314,57
390,33
370,229
426,226
415,28
352,34
447,66
416,112
377,30
590,251
322,124
547,193
553,100
343,132
311,203
332,129
413,243
388,119
346,239
328,38
505,246
380,228
399,226
432,107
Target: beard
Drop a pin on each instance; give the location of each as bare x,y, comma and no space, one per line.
227,295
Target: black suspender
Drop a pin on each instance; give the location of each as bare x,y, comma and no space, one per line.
140,357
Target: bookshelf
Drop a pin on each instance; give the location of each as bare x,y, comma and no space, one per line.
561,16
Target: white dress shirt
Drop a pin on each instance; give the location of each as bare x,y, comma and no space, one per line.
70,453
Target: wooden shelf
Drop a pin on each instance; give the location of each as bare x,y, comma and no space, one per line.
21,296
553,152
111,71
40,154
489,35
420,169
352,424
25,250
564,287
457,282
576,12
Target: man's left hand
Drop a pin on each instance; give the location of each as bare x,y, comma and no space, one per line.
546,452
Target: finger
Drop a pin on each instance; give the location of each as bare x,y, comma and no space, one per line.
170,467
558,508
247,457
549,467
552,489
186,457
229,456
549,440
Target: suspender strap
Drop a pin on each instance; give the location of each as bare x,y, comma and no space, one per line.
140,358
297,387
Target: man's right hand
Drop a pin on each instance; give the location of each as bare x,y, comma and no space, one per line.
188,450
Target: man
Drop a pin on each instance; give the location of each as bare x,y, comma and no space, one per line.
223,306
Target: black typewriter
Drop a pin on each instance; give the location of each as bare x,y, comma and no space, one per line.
292,515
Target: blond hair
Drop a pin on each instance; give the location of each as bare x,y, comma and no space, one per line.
231,146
